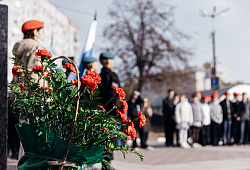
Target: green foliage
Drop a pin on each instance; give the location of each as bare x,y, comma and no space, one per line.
54,109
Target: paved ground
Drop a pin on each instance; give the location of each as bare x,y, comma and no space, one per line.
162,158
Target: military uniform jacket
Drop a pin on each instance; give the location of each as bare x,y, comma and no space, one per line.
109,81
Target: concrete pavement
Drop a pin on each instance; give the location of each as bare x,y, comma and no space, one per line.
162,158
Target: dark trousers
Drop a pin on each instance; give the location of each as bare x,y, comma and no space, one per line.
142,136
177,135
146,136
216,133
13,139
169,126
247,126
236,131
206,139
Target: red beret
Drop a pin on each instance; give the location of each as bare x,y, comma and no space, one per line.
236,94
244,93
31,25
215,94
206,97
226,93
197,92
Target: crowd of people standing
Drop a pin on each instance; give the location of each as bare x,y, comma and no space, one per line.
206,120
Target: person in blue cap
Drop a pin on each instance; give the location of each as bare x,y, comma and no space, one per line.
109,81
90,63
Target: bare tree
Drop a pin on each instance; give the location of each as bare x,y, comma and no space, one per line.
143,35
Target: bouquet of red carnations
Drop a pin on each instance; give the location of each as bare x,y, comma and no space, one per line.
64,123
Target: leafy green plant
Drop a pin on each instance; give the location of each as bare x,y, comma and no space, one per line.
52,102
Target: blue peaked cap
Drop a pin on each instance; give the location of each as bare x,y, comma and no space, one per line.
89,59
107,55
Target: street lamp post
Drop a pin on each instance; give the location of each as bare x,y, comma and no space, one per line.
213,16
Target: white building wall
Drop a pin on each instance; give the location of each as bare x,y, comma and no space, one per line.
200,80
65,33
222,73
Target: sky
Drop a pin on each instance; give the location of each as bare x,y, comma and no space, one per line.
232,30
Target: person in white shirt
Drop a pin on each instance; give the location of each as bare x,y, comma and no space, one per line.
184,119
206,121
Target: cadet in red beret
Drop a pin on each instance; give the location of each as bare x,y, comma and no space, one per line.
227,108
33,37
216,119
215,95
244,120
236,94
24,50
238,108
206,121
198,93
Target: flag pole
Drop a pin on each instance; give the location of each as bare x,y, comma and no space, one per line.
95,15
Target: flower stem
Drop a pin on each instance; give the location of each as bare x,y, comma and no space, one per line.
109,101
114,107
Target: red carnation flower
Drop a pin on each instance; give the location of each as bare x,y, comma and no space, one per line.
119,92
48,76
18,71
122,107
101,107
89,81
90,119
21,85
94,75
132,131
123,119
75,82
43,53
46,88
142,119
38,69
125,131
70,67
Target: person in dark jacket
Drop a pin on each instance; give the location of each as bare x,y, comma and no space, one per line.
244,117
109,81
168,113
237,111
90,63
133,109
227,108
247,127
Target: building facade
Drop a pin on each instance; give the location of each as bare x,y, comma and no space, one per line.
59,29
